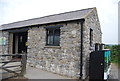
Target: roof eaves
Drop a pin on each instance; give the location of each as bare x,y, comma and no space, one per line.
10,25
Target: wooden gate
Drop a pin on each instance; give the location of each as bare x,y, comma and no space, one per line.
12,66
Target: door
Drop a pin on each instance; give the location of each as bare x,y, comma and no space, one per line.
22,39
96,70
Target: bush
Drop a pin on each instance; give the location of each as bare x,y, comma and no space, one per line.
115,53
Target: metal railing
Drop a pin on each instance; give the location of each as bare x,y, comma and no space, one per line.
12,66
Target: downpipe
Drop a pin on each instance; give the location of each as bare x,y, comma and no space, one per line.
81,48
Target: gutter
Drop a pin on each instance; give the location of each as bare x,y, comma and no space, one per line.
81,49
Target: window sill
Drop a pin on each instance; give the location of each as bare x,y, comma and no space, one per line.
52,47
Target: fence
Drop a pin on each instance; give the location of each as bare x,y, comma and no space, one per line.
12,66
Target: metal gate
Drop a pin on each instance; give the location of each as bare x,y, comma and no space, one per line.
12,66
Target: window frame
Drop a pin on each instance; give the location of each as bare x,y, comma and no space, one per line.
91,37
53,29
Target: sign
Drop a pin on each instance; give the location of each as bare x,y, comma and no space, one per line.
2,41
26,43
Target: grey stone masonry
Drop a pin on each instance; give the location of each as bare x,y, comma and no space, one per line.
0,45
4,48
63,59
91,22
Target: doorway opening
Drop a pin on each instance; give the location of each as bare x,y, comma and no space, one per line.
19,43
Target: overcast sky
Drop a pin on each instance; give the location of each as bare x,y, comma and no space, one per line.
17,10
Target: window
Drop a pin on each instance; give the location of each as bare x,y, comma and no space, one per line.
91,37
53,36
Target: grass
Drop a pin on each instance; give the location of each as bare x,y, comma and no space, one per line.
116,61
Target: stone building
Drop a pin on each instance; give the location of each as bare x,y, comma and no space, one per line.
59,43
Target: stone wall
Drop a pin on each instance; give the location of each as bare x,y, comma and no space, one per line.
0,45
4,48
91,21
63,59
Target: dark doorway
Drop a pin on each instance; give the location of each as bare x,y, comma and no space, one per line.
19,43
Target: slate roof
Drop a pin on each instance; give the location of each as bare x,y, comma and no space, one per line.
73,15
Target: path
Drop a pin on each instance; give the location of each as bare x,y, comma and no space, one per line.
34,73
115,72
